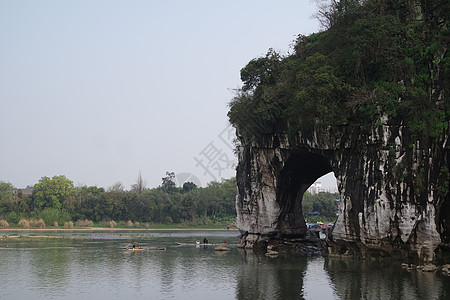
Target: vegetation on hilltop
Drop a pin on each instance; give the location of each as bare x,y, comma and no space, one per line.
375,59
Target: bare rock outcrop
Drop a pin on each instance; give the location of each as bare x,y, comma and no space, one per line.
394,191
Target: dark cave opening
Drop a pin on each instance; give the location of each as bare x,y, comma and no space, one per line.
301,170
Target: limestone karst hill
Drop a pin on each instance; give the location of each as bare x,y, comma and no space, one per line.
368,99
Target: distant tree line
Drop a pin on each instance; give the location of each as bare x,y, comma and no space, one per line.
56,199
324,203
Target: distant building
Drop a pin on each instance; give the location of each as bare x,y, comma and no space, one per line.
25,192
317,187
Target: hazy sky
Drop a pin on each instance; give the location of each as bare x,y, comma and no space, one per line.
101,90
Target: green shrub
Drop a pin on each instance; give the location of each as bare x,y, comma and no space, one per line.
13,217
52,215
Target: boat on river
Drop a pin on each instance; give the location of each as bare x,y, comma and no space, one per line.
136,248
221,248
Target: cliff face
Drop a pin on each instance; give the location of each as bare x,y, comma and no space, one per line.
367,99
394,193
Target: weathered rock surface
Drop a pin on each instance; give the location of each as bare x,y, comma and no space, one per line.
394,192
446,270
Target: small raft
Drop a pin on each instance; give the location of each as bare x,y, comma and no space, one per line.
221,248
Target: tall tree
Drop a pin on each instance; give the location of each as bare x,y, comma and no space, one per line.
140,184
51,193
6,196
116,187
188,186
168,183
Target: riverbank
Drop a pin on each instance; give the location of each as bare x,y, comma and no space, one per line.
89,233
87,229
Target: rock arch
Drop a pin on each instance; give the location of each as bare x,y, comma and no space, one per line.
272,178
394,193
302,169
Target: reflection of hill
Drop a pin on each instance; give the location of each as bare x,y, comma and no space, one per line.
260,277
100,269
355,279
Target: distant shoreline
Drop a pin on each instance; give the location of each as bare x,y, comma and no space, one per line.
84,229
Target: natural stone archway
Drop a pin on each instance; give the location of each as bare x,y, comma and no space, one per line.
376,111
271,182
300,171
394,192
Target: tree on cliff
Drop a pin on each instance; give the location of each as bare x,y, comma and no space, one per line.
376,59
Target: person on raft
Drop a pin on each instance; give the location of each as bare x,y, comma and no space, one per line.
135,245
205,241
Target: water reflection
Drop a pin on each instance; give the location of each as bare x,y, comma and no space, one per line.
261,277
317,282
354,279
99,269
49,268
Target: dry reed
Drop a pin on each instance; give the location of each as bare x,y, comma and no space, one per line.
4,224
23,223
68,225
37,223
84,223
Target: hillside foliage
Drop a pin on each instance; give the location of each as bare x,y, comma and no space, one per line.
374,59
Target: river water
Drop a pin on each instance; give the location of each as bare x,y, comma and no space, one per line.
94,266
